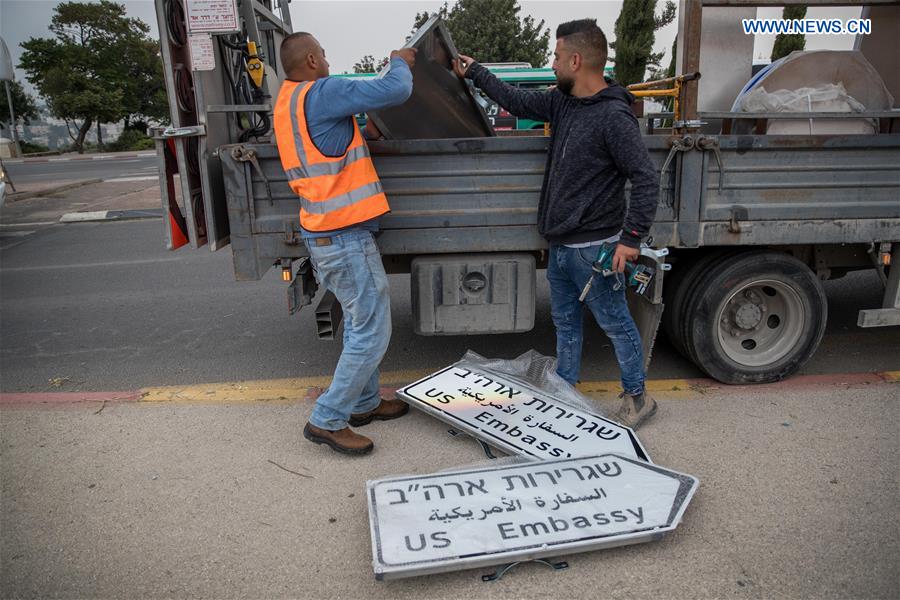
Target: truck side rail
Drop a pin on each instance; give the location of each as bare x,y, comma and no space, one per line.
481,194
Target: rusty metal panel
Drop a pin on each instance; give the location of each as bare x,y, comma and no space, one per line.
446,196
441,105
800,231
786,178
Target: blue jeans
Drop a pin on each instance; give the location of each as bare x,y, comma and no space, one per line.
568,271
351,268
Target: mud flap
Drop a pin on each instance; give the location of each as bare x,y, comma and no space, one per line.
303,288
647,309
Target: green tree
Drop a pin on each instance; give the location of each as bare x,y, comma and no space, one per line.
367,64
145,91
670,72
668,103
23,104
421,17
786,43
101,67
493,31
635,35
657,72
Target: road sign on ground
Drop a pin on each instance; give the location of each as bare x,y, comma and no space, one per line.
495,515
516,417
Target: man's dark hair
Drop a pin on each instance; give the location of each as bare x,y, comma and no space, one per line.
293,50
587,39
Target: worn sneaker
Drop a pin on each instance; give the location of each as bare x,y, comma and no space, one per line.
344,440
635,410
387,410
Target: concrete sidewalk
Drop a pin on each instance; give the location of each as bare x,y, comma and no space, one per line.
26,191
74,156
94,196
798,497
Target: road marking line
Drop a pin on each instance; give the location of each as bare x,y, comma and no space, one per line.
78,217
32,224
17,161
138,178
123,263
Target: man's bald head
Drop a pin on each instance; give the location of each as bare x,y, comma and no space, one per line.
302,57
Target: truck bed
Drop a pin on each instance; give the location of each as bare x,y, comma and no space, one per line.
481,195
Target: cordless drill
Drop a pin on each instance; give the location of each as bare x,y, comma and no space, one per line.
638,276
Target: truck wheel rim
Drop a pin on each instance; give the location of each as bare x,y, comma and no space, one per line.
760,323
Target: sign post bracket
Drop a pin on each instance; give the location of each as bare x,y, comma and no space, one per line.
487,449
499,573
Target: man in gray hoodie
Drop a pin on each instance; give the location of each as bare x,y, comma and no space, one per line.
595,147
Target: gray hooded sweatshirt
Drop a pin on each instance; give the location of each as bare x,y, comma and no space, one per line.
595,147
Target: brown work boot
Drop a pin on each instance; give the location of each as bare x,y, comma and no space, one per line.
635,410
387,410
344,440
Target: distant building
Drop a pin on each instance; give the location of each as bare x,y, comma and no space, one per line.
53,133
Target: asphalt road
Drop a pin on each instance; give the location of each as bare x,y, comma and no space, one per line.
56,169
103,306
197,498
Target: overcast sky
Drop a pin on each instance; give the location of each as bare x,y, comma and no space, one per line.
349,29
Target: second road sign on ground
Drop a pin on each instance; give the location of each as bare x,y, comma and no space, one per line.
517,418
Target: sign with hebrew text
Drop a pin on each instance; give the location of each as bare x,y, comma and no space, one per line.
449,521
212,16
517,418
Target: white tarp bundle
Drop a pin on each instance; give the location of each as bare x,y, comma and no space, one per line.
815,81
830,98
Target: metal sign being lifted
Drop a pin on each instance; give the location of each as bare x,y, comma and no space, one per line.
516,417
450,521
441,105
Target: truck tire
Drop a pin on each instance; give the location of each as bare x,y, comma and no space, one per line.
756,317
677,287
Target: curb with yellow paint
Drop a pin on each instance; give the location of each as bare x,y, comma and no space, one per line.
301,388
263,390
305,388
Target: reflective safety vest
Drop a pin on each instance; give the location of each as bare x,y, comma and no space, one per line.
335,191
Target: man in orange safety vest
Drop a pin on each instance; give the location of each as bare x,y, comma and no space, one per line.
328,166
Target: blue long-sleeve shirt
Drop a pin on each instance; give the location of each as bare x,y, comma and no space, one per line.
332,101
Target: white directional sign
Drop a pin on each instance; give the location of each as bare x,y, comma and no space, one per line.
203,52
517,418
445,522
212,16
